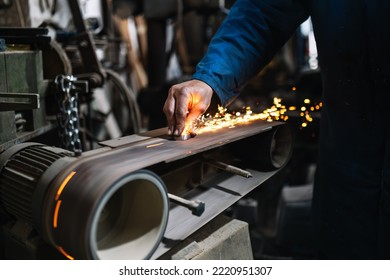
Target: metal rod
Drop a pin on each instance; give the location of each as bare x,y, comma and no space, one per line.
229,168
197,207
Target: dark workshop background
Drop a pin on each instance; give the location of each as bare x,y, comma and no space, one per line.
138,49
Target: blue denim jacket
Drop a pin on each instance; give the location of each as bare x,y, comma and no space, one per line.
246,42
352,192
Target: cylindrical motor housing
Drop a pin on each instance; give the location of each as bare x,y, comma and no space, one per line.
116,215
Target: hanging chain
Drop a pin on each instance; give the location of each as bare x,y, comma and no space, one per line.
68,115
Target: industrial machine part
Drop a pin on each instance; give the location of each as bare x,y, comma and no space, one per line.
36,37
270,151
229,168
89,68
114,217
112,202
22,97
197,207
28,96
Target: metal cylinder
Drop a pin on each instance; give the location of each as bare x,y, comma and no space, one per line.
18,179
94,210
137,206
123,218
22,168
267,151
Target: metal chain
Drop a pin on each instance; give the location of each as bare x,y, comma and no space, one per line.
68,115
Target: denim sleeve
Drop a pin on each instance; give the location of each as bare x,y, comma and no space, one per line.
246,41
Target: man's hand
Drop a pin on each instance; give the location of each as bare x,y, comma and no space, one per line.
185,102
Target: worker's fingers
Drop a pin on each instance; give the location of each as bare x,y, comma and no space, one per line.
185,102
169,111
176,108
181,111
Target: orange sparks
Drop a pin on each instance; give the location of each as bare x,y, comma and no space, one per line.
225,119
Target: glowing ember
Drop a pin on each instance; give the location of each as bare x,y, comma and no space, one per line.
225,119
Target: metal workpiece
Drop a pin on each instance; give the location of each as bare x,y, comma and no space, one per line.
183,137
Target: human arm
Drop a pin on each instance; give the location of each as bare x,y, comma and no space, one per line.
245,42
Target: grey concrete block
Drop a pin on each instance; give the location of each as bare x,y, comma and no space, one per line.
223,238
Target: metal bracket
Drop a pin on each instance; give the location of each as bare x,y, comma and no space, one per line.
18,101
